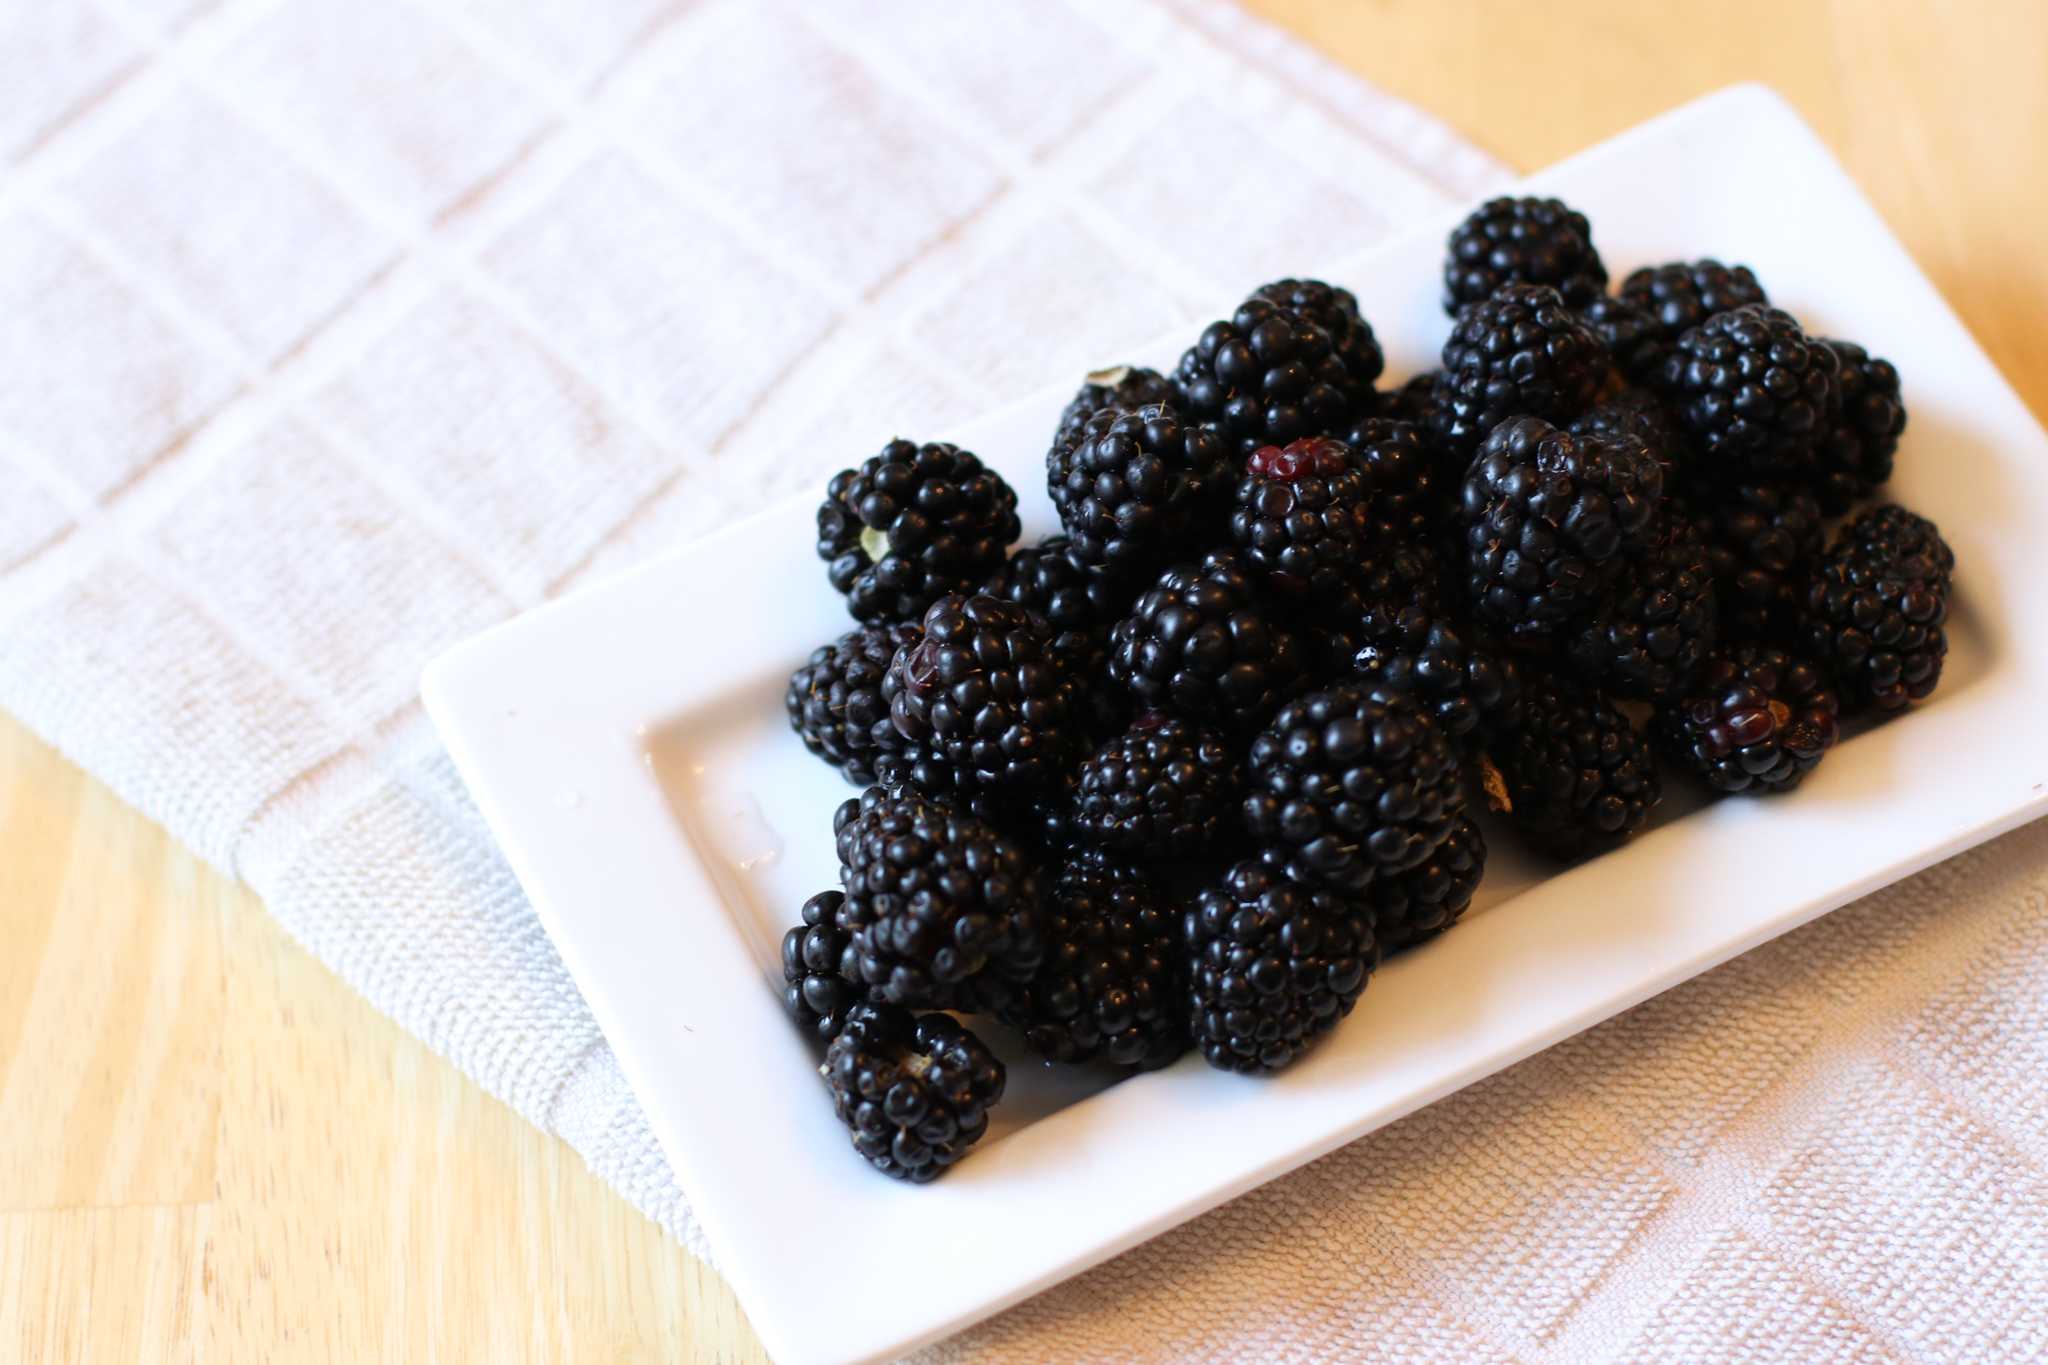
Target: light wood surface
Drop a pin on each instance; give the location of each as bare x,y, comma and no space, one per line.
210,1149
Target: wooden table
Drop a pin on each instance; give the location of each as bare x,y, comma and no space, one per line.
213,1149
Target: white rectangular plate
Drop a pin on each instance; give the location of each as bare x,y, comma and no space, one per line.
628,746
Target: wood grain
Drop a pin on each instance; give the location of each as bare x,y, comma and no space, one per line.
213,1150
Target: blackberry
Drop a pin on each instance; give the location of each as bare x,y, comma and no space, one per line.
1138,484
1641,414
1409,907
1112,984
1200,644
1519,353
915,1090
1875,611
984,691
1681,295
1413,401
1334,310
1635,343
1547,517
1275,373
835,702
1121,386
1761,542
1080,604
944,912
1164,790
911,525
1471,690
1522,241
1275,963
1402,465
1756,393
1653,632
1302,516
1755,720
1351,784
1858,446
1397,575
1576,778
820,976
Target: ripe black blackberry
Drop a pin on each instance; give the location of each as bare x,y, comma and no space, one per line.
1275,373
1080,604
1653,631
1413,401
1350,784
1468,687
1548,516
984,691
944,912
1275,963
820,976
1522,241
1681,295
1517,353
1858,446
1162,791
1576,778
1755,720
914,1090
1200,644
1635,343
1875,611
1409,907
1113,981
1302,516
835,701
911,525
1397,575
1407,495
1137,485
1640,413
1121,386
1762,541
1756,393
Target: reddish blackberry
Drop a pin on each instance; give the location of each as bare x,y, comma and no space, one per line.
1200,644
835,702
1113,981
1469,688
1302,515
1576,778
1547,517
1518,353
1858,446
1162,791
1641,414
820,976
1522,241
1121,386
1409,907
914,1090
911,525
1634,341
943,911
1683,294
1351,784
1275,963
1755,391
1654,630
1275,373
1761,540
1875,610
1755,720
1137,485
1080,603
984,691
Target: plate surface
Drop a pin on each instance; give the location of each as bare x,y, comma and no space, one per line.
628,747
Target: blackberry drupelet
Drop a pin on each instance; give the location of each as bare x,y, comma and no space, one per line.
984,691
1548,517
1875,611
1275,963
835,702
820,977
944,912
1409,907
1162,791
914,1090
1634,341
1577,778
1762,541
1654,630
1860,443
1200,644
1681,295
1121,386
1522,241
1113,984
1755,720
1519,353
1302,516
1470,689
1080,603
911,525
1756,393
1137,485
1350,784
1274,373
1641,414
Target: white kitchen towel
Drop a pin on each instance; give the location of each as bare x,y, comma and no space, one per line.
331,333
